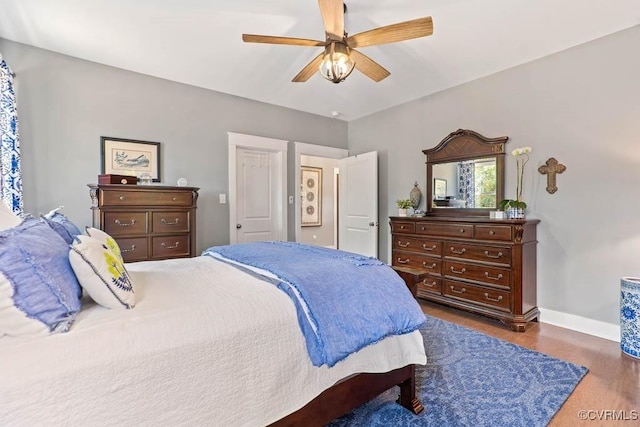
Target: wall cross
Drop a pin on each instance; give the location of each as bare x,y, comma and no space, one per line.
551,168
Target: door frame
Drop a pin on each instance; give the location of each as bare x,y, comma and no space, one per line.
300,149
252,142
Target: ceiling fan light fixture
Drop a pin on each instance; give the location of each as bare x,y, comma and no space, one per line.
337,62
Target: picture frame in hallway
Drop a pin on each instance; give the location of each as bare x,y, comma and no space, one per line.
130,157
311,194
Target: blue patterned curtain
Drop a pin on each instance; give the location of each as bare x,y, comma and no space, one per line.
466,184
10,174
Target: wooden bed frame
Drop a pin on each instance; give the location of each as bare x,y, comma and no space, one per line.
353,392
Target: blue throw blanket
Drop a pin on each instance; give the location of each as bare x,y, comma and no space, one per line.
344,301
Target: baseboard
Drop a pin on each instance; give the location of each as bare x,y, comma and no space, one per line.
597,328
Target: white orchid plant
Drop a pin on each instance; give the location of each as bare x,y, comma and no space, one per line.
522,157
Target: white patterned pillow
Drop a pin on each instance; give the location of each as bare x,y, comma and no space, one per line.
101,273
106,239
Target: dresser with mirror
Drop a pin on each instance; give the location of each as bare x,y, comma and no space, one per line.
455,254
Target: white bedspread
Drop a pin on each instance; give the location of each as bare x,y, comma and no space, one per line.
205,345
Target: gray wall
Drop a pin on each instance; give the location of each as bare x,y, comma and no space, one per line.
581,106
66,104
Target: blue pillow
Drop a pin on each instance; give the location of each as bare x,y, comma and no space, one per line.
39,293
62,225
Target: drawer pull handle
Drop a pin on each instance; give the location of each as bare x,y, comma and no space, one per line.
498,277
403,245
403,261
131,249
486,295
164,245
174,199
460,252
122,197
462,230
453,289
427,248
165,222
453,270
492,232
498,256
125,224
423,228
432,266
429,285
402,227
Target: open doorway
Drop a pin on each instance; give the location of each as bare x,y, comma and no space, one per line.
318,224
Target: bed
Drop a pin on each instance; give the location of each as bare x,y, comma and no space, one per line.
207,344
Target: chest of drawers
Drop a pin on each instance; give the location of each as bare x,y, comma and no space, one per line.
148,222
475,264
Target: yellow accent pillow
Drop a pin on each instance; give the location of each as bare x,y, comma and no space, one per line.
101,273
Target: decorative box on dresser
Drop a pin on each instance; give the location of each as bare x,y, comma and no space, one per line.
149,222
476,264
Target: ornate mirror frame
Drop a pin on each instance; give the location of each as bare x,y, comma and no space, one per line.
461,145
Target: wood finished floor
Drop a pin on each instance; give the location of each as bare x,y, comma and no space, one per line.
613,380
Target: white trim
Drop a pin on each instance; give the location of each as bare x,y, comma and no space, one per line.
336,223
301,148
277,146
585,325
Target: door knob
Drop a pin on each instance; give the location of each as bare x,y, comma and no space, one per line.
372,224
238,226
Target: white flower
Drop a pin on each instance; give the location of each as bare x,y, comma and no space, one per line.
521,151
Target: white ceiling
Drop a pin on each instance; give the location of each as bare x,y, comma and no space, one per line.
198,42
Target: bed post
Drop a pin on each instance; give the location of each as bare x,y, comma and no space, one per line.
408,397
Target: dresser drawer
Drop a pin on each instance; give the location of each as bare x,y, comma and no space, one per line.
430,285
493,254
406,227
493,232
494,298
148,198
491,276
448,230
170,246
167,222
134,248
410,259
122,223
419,245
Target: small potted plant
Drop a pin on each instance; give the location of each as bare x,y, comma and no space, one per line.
515,207
403,206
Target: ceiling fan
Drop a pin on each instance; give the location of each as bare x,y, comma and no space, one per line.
339,57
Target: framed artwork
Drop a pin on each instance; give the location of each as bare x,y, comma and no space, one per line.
311,182
130,157
439,188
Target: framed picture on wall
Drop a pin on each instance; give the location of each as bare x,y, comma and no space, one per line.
130,157
311,193
439,188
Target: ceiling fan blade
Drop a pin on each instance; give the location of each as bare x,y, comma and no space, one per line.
407,30
333,17
256,38
369,67
308,71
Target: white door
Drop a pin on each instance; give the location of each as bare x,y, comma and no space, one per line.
358,204
257,188
257,220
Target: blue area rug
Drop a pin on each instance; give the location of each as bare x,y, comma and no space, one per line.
472,379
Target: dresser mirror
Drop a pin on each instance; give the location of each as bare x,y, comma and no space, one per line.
465,174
